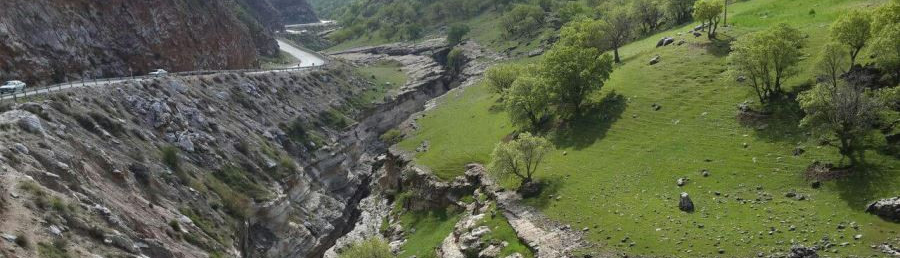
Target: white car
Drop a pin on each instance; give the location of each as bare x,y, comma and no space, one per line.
159,72
12,87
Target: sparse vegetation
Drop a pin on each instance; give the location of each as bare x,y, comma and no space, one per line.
392,137
370,248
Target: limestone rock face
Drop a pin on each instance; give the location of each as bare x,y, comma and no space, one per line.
48,40
888,209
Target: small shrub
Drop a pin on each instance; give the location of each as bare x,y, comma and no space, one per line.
392,137
170,157
107,124
334,119
237,179
22,241
53,250
235,204
175,226
371,248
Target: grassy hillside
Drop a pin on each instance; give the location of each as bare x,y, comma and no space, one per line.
614,171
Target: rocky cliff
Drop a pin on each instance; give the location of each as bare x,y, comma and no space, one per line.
49,40
181,167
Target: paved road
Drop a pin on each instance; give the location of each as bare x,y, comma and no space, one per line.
307,59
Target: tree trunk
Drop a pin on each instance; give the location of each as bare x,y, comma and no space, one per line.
616,53
725,20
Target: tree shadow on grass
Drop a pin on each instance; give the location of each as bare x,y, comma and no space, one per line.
549,189
780,120
721,46
592,124
867,183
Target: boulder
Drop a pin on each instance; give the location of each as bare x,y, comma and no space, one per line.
668,41
665,42
802,252
21,149
492,251
31,124
888,209
697,34
654,60
685,204
681,181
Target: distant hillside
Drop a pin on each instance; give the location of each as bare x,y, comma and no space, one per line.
329,9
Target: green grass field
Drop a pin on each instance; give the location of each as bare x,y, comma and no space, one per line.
615,170
429,230
387,76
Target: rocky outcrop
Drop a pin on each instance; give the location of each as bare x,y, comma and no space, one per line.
888,209
238,182
55,40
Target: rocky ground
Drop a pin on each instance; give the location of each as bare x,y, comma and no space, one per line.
181,167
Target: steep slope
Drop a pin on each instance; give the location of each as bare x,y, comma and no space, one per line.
49,40
178,167
295,11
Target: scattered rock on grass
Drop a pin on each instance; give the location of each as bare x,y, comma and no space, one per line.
802,252
685,204
654,60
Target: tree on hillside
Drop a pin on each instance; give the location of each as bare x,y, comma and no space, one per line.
620,26
887,46
709,11
832,63
648,13
500,78
573,74
846,112
886,16
571,10
767,58
527,101
679,10
523,20
585,32
456,33
853,29
520,157
455,60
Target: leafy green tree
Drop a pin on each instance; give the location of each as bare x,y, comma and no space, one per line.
520,157
371,248
846,112
455,60
886,16
679,11
833,62
767,58
571,10
500,78
709,11
585,32
523,20
573,74
456,33
648,13
527,101
887,46
853,29
619,29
